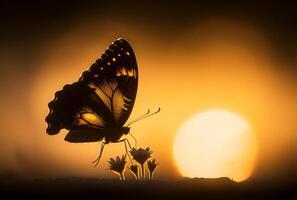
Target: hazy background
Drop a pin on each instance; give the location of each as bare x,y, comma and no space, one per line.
192,56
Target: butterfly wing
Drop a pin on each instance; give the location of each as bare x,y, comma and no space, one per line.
117,86
102,98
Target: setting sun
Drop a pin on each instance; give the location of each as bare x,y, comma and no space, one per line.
216,143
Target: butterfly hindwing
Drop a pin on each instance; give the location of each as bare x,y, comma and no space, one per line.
76,105
102,98
84,134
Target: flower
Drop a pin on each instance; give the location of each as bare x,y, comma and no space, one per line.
134,170
141,155
118,166
152,164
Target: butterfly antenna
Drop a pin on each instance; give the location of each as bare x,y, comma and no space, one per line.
144,116
148,112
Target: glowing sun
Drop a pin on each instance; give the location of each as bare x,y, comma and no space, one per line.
216,143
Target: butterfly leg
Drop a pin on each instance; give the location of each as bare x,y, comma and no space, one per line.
127,153
128,143
134,140
100,154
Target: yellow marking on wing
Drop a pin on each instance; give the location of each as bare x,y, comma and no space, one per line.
91,118
123,71
92,85
81,122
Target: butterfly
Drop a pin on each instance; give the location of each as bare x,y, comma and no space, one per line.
97,106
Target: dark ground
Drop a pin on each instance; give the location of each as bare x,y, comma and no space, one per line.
184,188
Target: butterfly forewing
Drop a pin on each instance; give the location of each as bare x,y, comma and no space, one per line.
117,79
102,98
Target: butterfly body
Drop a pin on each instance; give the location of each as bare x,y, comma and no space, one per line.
115,134
97,106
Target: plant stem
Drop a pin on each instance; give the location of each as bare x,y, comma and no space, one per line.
135,176
151,176
122,177
142,172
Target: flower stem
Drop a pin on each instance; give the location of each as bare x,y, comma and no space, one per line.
142,172
122,177
151,176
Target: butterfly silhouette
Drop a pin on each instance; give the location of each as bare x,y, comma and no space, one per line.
96,107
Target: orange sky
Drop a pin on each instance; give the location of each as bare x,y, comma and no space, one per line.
215,64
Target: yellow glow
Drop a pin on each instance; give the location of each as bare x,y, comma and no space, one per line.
216,143
226,65
91,118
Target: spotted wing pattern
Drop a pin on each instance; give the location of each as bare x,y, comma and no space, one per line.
102,98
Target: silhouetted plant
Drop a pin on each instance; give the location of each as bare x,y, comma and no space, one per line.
141,155
118,166
134,171
152,165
